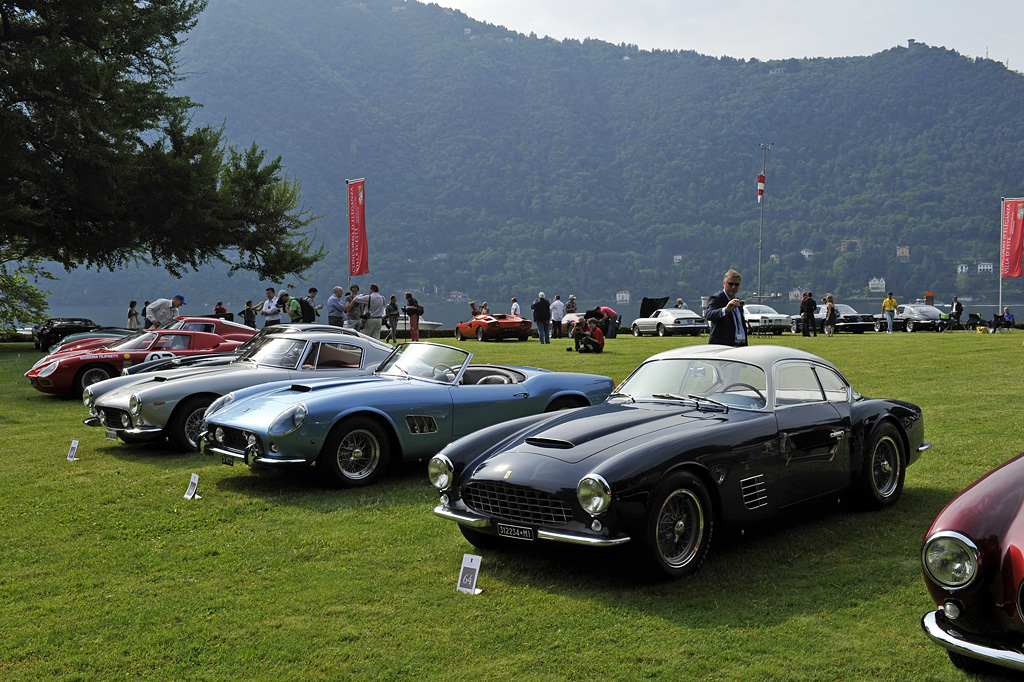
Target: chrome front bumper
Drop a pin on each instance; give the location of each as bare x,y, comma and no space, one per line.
147,430
475,521
244,457
942,632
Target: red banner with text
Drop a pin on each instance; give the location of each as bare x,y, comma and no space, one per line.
358,253
1012,233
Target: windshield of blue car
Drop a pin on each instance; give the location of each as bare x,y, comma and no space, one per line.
425,361
732,383
276,351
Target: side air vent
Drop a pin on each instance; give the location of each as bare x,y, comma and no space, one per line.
549,443
418,424
753,490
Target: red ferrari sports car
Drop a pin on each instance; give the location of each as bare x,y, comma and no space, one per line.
232,331
71,371
494,326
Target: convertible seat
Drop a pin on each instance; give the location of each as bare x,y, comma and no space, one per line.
494,379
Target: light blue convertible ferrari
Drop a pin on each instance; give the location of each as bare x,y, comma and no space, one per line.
422,397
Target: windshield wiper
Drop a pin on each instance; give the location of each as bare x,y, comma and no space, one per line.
670,396
702,398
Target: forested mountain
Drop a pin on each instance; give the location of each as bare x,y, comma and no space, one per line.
498,163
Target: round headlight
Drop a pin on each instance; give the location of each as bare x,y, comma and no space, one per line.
49,369
288,421
219,404
594,494
135,404
440,471
87,398
950,559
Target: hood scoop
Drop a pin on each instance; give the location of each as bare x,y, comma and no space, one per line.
550,443
300,388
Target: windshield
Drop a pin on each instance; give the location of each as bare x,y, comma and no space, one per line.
844,309
732,383
139,341
276,351
760,310
925,310
425,361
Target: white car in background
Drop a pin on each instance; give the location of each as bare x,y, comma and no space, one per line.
668,321
765,319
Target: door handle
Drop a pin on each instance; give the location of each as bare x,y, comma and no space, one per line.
524,394
839,434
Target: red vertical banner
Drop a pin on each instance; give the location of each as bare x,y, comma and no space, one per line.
358,253
1011,251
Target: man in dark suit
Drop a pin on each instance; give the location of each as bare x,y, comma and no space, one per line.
725,313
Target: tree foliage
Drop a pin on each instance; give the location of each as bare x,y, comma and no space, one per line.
98,165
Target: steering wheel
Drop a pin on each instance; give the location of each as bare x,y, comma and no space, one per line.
443,370
740,384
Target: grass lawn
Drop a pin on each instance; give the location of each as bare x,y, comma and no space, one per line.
108,573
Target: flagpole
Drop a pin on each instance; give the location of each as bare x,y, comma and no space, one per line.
1002,217
760,229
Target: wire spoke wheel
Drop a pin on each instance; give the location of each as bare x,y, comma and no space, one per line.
885,466
358,454
680,528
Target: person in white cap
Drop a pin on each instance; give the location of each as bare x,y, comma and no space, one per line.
162,311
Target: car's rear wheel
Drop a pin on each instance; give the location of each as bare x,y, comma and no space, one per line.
458,335
884,467
87,376
908,326
661,329
878,325
356,453
480,336
636,331
794,327
679,525
187,421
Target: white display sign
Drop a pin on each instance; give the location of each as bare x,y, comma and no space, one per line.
469,573
72,451
190,494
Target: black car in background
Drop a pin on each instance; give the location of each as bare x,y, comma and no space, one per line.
56,328
847,320
911,318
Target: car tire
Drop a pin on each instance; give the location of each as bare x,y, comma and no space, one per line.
458,335
679,526
480,540
356,453
884,467
794,327
878,326
636,331
89,375
974,666
480,336
187,420
524,338
908,326
661,330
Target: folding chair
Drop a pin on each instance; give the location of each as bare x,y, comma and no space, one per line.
973,322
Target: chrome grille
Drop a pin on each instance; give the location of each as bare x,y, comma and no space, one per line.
753,490
111,417
234,439
516,503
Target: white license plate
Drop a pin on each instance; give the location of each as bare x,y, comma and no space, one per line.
111,434
516,532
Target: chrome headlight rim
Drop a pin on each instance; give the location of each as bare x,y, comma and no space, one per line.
88,399
594,494
441,472
289,421
958,541
134,405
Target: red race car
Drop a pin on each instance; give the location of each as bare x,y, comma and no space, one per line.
71,371
232,331
496,326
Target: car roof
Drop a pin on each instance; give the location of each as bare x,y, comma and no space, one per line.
763,355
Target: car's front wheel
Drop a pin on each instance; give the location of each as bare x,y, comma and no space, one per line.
878,325
87,376
679,525
184,426
908,326
884,470
458,335
356,453
794,327
636,331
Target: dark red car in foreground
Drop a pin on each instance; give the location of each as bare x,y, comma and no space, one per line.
973,558
495,326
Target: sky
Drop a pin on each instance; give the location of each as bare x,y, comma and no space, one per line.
770,29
